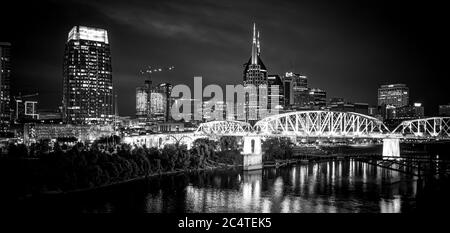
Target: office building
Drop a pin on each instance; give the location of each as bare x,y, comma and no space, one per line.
396,95
87,88
275,91
255,73
5,85
165,92
142,105
444,110
319,98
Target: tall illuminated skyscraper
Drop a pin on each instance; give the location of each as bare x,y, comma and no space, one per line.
255,73
5,87
87,87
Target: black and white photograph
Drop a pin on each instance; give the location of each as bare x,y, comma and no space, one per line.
224,115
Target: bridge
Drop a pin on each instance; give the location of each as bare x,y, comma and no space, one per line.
308,124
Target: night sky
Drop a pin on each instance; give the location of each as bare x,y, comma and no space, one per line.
347,48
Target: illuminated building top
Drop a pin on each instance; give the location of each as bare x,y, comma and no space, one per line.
88,33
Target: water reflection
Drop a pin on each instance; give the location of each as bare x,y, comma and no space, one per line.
336,186
327,187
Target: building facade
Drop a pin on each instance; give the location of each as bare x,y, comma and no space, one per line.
142,105
396,95
296,86
164,90
88,88
319,98
153,102
5,85
444,110
275,91
255,73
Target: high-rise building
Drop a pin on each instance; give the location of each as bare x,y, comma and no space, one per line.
274,82
396,95
88,87
444,110
255,73
414,111
319,97
288,90
153,102
362,108
297,93
165,89
5,85
142,106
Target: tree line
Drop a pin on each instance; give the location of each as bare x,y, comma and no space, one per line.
88,166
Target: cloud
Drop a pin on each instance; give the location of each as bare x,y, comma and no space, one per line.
199,21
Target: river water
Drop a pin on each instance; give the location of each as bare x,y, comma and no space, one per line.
340,186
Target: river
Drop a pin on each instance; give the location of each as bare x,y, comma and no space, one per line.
340,186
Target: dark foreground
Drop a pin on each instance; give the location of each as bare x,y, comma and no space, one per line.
327,187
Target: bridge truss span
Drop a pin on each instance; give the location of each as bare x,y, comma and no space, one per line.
224,128
322,124
433,127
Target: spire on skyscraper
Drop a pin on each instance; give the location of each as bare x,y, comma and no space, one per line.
254,47
257,44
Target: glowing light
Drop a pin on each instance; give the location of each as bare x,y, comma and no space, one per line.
88,33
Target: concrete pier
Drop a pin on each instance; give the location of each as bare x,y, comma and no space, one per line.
391,147
252,153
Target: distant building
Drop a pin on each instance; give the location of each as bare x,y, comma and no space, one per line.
35,132
88,87
25,108
319,98
49,116
444,110
338,104
5,85
414,111
255,73
171,127
362,108
396,95
288,91
142,105
275,81
166,101
375,111
296,92
153,102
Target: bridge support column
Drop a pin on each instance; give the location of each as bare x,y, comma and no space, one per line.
391,147
252,153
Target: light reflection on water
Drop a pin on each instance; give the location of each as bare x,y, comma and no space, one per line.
335,186
326,187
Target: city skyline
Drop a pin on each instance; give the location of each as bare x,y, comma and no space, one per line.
218,58
232,109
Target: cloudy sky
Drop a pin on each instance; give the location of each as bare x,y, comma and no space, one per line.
347,48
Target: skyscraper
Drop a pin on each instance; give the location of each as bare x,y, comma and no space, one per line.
87,87
275,81
5,86
319,98
165,89
396,95
297,86
142,104
444,110
255,73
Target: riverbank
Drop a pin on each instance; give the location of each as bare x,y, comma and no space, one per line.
217,166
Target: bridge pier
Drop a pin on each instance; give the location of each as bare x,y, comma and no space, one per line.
252,154
391,147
